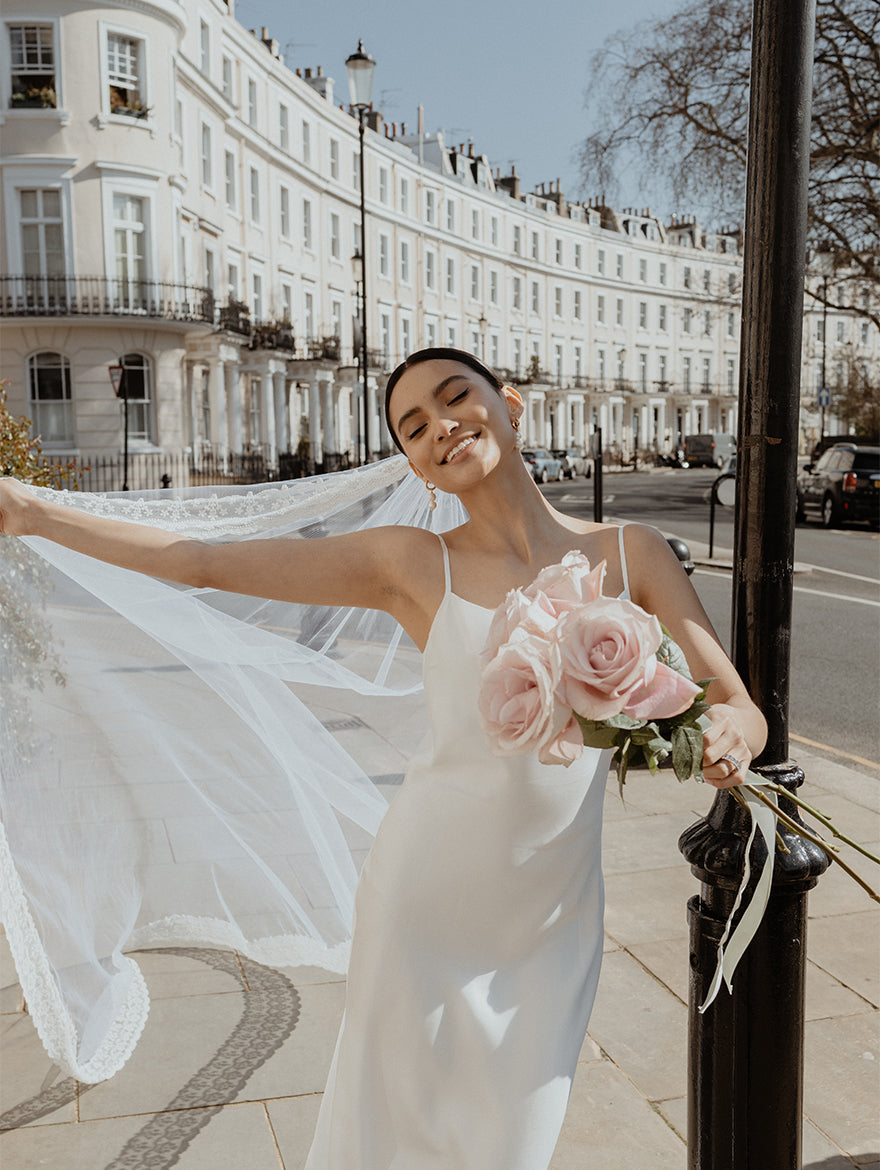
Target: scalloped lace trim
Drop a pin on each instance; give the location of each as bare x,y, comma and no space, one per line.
280,950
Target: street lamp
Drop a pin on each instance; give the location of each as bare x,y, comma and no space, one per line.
120,389
360,66
357,265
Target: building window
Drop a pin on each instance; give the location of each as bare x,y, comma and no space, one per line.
688,316
535,246
661,318
578,256
643,372
578,361
334,159
230,179
284,128
32,54
207,164
129,241
620,266
731,375
383,185
475,283
228,92
309,305
307,225
42,233
494,231
707,373
661,370
125,76
252,103
841,332
138,383
334,236
600,309
232,281
385,338
255,195
686,277
430,207
600,365
707,280
254,413
355,170
731,283
286,303
431,270
600,261
686,374
558,251
662,274
51,406
307,143
557,301
707,322
494,351
450,215
383,255
404,261
404,196
820,329
517,241
204,48
257,296
643,271
475,224
284,208
450,335
643,314
536,304
619,316
578,311
405,336
450,276
493,287
731,324
517,355
864,333
517,292
557,360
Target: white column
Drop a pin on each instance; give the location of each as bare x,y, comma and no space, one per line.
282,428
373,428
217,399
232,379
328,421
314,420
268,415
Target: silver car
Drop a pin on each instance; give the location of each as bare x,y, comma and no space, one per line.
542,464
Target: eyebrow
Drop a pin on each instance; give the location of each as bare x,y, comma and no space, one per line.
435,393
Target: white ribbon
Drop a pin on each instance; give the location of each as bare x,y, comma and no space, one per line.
762,818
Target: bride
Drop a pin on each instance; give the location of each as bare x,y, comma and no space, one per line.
478,914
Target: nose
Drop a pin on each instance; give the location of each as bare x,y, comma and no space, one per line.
445,427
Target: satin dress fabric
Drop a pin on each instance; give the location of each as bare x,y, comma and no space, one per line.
477,944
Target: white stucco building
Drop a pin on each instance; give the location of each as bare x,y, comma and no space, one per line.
179,202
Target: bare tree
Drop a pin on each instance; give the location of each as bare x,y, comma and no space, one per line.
670,97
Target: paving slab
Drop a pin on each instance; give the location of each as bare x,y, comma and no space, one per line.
842,1085
847,946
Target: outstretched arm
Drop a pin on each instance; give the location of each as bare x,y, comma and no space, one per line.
356,569
660,586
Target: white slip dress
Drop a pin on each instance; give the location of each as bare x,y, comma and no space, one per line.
477,944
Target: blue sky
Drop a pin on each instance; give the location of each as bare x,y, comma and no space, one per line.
510,76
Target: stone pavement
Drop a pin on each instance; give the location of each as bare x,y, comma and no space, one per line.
229,1071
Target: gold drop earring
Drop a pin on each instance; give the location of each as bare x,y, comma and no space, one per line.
514,422
432,492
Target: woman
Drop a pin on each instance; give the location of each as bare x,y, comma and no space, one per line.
478,935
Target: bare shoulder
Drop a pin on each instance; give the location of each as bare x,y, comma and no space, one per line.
655,572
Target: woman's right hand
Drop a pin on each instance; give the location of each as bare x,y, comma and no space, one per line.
17,506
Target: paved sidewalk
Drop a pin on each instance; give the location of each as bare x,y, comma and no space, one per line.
230,1068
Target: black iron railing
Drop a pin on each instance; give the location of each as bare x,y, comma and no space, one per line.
102,296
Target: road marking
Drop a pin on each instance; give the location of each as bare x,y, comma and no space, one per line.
801,589
825,747
841,573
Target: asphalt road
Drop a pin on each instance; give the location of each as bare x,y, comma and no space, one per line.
835,667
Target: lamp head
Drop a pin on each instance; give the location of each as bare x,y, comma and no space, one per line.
360,66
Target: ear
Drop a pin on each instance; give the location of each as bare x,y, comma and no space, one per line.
515,404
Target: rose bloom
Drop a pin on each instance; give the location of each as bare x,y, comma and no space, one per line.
569,584
532,615
606,656
517,702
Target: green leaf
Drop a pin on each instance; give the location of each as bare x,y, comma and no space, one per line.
687,752
671,653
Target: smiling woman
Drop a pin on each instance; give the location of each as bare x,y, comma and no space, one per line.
476,954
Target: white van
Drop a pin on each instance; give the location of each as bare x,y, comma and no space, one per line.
708,450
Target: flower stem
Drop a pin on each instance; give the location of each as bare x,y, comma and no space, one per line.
830,850
826,821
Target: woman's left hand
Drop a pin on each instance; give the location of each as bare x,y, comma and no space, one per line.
726,755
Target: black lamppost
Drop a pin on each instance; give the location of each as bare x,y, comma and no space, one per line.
360,66
120,389
357,264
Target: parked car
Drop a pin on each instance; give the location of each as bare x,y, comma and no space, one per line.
830,440
711,450
542,464
844,485
574,461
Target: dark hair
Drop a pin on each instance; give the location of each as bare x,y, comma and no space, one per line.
437,353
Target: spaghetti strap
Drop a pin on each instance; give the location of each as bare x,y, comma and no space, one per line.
447,588
623,560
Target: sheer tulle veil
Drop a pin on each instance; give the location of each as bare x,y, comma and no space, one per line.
173,765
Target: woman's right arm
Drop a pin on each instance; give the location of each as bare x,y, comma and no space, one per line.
361,569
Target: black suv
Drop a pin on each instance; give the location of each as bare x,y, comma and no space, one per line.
843,485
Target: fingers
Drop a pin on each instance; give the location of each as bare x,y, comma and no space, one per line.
726,755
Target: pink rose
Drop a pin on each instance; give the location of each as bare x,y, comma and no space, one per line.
534,615
606,655
569,584
517,702
565,747
667,694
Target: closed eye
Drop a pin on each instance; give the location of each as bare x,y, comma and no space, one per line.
416,431
459,397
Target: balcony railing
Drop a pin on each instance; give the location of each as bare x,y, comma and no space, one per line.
101,296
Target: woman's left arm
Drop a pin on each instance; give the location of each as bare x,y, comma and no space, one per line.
659,585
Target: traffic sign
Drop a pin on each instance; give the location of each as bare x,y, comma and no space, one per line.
824,397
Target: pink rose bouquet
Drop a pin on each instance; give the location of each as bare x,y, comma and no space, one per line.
565,666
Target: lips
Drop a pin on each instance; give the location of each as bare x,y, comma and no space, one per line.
460,446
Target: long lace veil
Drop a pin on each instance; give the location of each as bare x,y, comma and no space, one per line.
173,762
